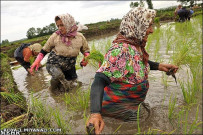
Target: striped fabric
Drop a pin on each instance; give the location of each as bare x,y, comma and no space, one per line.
122,100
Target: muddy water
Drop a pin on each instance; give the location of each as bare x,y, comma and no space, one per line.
158,97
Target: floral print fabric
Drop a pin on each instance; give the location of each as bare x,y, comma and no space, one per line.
123,63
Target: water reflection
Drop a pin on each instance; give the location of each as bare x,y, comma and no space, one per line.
36,83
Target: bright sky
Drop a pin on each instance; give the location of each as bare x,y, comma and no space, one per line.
18,16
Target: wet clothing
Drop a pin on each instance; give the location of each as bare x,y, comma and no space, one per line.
121,83
78,44
121,100
62,59
22,54
184,14
99,88
60,77
65,64
63,56
64,49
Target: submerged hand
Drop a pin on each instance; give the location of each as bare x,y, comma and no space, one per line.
97,121
30,71
35,65
167,67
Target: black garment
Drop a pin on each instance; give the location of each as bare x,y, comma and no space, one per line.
184,14
153,65
62,69
97,91
43,52
18,55
97,88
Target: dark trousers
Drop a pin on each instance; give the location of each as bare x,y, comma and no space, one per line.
60,77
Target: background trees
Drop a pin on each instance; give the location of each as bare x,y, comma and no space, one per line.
142,4
185,2
149,3
38,32
5,42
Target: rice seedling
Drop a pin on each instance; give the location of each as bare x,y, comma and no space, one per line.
12,122
195,124
138,123
157,35
12,97
96,58
190,89
67,99
32,59
59,119
158,131
16,67
164,79
117,129
41,116
78,100
185,125
171,107
149,43
168,36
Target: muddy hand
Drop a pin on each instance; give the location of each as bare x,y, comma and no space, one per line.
97,121
171,72
90,129
29,71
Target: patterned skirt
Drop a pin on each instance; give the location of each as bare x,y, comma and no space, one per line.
121,100
64,63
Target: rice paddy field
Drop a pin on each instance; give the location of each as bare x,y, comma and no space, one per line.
174,108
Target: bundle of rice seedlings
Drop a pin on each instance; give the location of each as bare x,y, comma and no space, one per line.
95,57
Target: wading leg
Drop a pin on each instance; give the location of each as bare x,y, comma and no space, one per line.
58,76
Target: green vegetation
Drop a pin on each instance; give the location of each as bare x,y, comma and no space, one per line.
78,100
181,42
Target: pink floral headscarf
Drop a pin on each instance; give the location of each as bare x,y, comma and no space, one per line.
70,25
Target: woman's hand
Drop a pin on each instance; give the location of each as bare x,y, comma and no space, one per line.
35,65
167,67
32,73
97,121
83,63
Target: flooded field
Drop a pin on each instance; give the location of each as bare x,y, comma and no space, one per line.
170,110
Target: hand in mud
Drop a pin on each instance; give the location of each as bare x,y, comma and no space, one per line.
40,66
35,66
32,73
97,121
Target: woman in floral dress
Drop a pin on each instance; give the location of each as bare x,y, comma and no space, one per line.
121,83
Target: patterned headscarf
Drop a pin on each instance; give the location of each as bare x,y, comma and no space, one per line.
70,26
134,26
136,22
